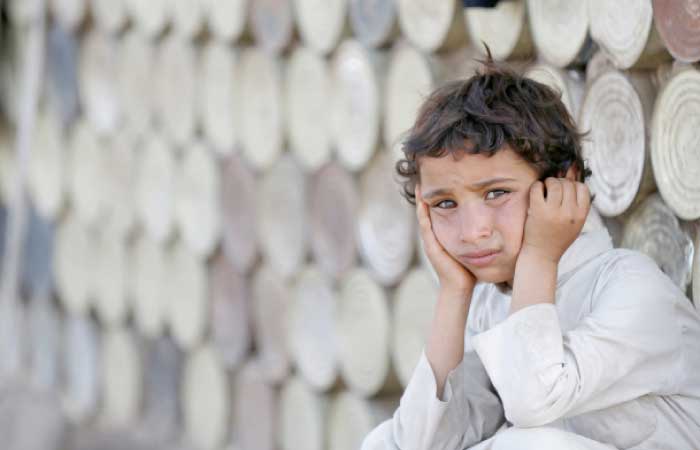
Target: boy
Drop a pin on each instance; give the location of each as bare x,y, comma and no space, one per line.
565,342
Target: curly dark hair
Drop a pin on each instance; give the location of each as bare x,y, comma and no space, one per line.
481,114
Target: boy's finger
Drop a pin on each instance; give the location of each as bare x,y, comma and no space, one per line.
536,192
583,196
569,197
554,191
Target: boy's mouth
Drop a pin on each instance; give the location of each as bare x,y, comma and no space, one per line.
480,258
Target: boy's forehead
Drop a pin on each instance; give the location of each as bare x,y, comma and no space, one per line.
473,167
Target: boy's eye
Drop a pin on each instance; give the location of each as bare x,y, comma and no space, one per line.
496,193
444,204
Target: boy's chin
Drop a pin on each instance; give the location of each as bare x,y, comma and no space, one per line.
492,275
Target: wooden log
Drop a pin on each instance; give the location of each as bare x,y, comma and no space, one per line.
70,14
433,26
568,84
229,313
37,274
333,216
176,71
187,308
198,199
504,28
322,24
188,17
696,271
45,326
254,410
62,74
282,216
617,110
302,417
624,31
122,377
272,24
46,175
206,399
312,336
560,31
386,224
597,65
82,368
357,80
13,345
111,278
86,168
239,210
308,88
220,95
136,82
363,325
32,420
23,12
110,15
374,22
414,304
97,76
272,297
8,166
261,108
148,286
674,144
155,188
74,264
120,184
653,229
351,418
226,20
162,410
151,17
678,24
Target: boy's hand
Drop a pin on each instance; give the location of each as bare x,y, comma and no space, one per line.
554,222
453,276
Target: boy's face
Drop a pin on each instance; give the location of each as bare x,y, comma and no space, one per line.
479,203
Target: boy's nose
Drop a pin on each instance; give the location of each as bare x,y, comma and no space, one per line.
476,224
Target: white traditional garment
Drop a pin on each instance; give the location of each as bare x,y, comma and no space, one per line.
613,364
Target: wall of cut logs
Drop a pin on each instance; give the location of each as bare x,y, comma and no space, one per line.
216,252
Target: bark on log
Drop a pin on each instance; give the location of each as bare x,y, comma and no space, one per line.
433,26
504,28
678,24
560,31
374,22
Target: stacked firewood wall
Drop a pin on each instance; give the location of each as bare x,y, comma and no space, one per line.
216,250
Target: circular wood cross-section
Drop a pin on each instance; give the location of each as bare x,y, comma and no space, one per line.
46,176
176,72
86,168
239,209
302,417
272,23
308,88
149,17
559,30
261,108
272,296
351,418
148,286
432,26
356,114
567,84
312,340
616,148
623,30
321,23
188,17
504,28
678,23
81,365
229,312
220,95
136,82
386,223
74,264
155,188
254,410
414,304
206,399
188,302
122,377
112,272
69,13
120,189
374,22
226,19
334,205
99,66
282,216
653,229
198,201
109,15
675,143
364,329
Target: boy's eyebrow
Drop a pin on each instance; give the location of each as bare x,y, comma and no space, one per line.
474,187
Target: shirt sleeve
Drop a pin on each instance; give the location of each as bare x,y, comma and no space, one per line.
469,411
626,347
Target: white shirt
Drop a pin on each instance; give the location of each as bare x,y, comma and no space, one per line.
616,359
